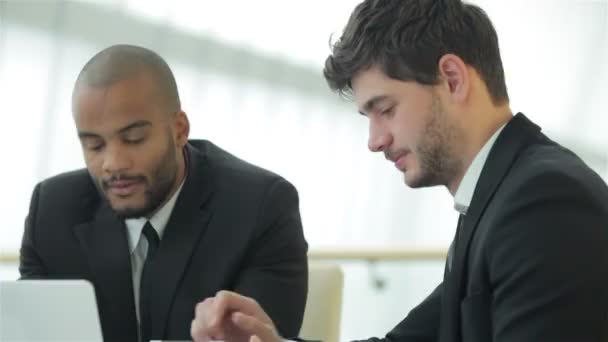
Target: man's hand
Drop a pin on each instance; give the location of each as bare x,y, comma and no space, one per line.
232,318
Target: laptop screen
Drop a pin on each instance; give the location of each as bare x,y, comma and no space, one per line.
49,310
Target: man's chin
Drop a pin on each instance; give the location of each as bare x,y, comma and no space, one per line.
128,213
415,180
410,179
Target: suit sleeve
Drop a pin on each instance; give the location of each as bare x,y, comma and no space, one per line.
276,272
548,263
420,325
30,263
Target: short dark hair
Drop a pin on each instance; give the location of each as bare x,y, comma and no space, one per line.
121,62
406,39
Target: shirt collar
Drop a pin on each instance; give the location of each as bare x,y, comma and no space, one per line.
158,220
464,194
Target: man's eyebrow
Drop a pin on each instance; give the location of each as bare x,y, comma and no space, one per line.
85,135
136,124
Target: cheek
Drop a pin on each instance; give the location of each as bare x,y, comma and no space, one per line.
412,129
93,163
405,137
149,163
401,125
148,167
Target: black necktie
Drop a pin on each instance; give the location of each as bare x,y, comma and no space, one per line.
454,242
144,297
153,240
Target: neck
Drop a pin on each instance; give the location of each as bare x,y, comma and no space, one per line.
477,129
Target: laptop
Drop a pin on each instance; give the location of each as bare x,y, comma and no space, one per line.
48,310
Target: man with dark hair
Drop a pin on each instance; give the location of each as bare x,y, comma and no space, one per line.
529,261
158,222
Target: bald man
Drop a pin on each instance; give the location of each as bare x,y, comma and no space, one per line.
158,222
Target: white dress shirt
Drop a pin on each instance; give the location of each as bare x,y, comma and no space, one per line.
138,246
464,194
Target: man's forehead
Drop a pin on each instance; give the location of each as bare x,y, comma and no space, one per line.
125,93
86,98
368,84
95,109
140,83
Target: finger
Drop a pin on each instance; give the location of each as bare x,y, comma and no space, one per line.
230,301
254,338
201,309
197,332
253,326
203,333
207,325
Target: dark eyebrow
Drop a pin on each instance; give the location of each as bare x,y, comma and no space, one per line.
136,124
84,135
371,103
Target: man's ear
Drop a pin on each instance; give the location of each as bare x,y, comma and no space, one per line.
455,75
182,128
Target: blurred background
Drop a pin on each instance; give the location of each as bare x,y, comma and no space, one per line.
249,75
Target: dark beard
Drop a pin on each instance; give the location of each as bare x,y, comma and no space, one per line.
158,188
437,162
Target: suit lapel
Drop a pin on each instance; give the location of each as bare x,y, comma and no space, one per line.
104,242
512,140
185,228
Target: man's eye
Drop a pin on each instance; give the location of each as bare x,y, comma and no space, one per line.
134,141
91,146
387,111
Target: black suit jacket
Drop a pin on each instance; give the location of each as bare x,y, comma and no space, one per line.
531,259
234,226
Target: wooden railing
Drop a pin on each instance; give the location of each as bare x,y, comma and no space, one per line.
378,254
375,254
